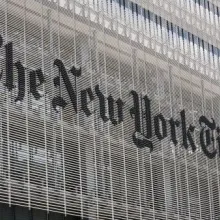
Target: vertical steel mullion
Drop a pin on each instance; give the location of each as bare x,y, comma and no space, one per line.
132,57
207,162
77,116
161,142
132,70
196,153
208,166
93,124
135,60
171,91
211,191
109,141
151,168
216,159
27,113
53,92
142,31
94,36
7,113
45,106
122,124
185,154
61,119
204,112
174,154
102,148
146,88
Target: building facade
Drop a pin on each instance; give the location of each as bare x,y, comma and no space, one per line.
109,109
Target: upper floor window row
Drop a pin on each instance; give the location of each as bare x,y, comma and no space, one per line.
164,28
139,19
208,6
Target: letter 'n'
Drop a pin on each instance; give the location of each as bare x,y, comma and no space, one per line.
58,100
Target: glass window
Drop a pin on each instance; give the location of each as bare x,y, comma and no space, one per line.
21,213
146,22
186,42
188,2
175,36
56,216
207,12
39,214
151,19
216,57
164,31
191,44
6,213
197,7
196,46
202,8
211,13
158,28
206,54
170,33
216,15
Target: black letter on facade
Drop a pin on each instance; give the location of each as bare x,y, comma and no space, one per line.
173,125
143,142
111,103
101,103
9,66
187,133
207,136
59,101
33,82
120,105
1,43
218,139
21,81
76,72
148,117
160,135
84,101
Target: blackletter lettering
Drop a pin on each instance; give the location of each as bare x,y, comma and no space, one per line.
33,82
207,136
173,125
84,101
157,119
9,66
111,110
135,110
148,117
21,81
218,139
187,134
101,104
1,43
59,101
111,104
120,105
76,72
